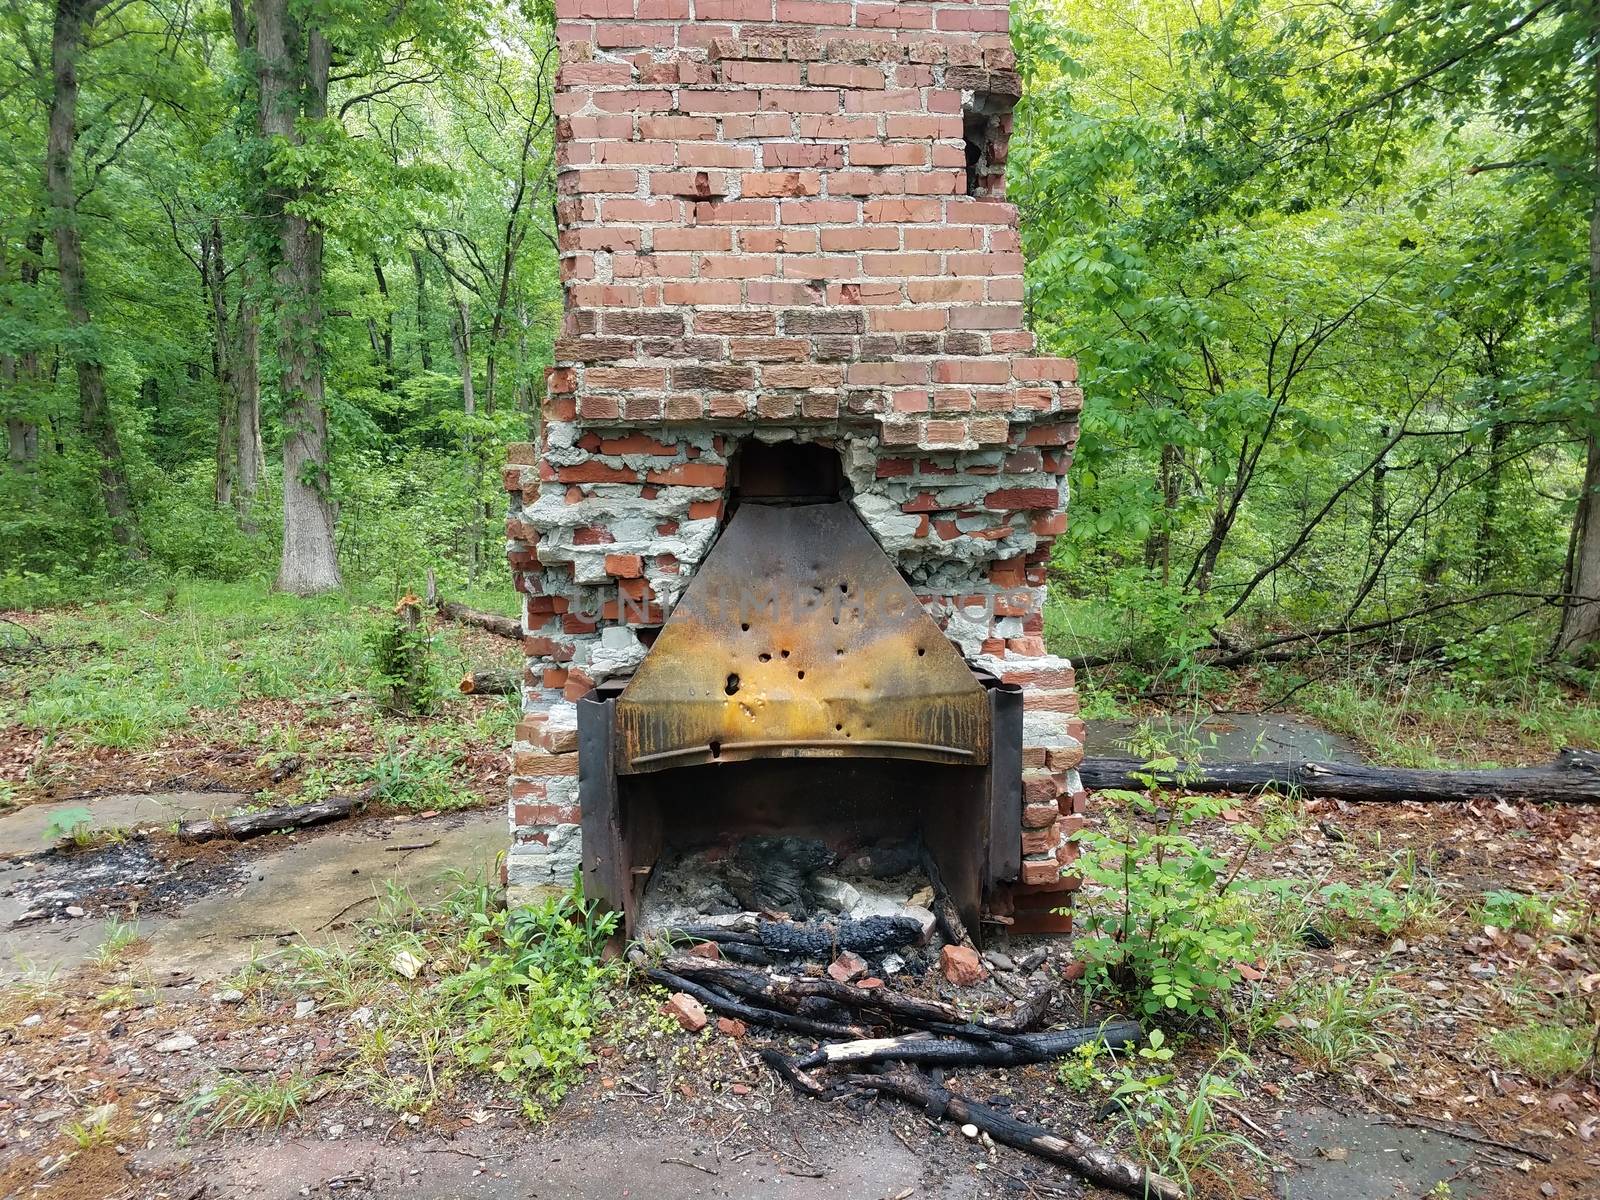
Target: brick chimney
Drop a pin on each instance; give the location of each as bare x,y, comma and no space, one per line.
782,222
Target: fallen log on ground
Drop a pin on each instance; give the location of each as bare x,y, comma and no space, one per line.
1081,1153
507,627
1016,1051
273,820
1573,778
720,1001
490,683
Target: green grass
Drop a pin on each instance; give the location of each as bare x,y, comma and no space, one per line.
1547,1050
238,665
1333,1022
514,994
167,659
1440,722
237,1102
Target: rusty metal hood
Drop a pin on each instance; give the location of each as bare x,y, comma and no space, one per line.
798,638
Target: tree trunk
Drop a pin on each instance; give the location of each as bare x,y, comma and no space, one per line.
73,19
386,341
1158,544
424,349
1580,620
20,371
291,89
249,458
213,277
461,338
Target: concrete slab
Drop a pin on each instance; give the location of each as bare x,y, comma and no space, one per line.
321,880
23,831
1356,1158
1235,737
564,1163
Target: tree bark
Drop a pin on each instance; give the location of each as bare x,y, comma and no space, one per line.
1580,620
73,20
386,340
19,372
213,277
291,88
249,458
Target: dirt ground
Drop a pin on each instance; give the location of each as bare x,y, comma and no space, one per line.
674,1114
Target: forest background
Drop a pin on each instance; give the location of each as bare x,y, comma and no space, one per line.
278,281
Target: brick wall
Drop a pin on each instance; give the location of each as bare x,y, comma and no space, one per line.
786,219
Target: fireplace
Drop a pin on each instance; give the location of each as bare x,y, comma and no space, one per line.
783,541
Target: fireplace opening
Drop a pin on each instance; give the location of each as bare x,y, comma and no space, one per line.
785,473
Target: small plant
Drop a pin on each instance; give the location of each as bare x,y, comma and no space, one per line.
1407,901
1081,1070
119,935
1173,1124
1168,921
93,1129
1518,912
1547,1050
75,825
404,674
239,1103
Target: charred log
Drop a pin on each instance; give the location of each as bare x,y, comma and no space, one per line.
721,1001
1082,1154
1573,778
1014,1051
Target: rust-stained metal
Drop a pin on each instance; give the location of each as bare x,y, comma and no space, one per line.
798,638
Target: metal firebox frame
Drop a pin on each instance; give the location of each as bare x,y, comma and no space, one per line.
971,861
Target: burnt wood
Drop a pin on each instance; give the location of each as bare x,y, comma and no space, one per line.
1573,778
1078,1151
1015,1051
719,1001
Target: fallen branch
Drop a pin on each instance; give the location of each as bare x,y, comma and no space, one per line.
273,820
1015,1051
1088,1158
790,992
507,627
490,683
1573,778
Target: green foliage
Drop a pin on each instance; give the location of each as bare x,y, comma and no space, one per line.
71,824
1168,921
251,1102
1518,912
404,675
1173,1124
513,993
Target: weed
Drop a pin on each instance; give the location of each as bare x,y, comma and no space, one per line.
1408,901
1518,912
1173,1124
1332,1022
75,825
405,676
239,1103
93,1129
119,935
